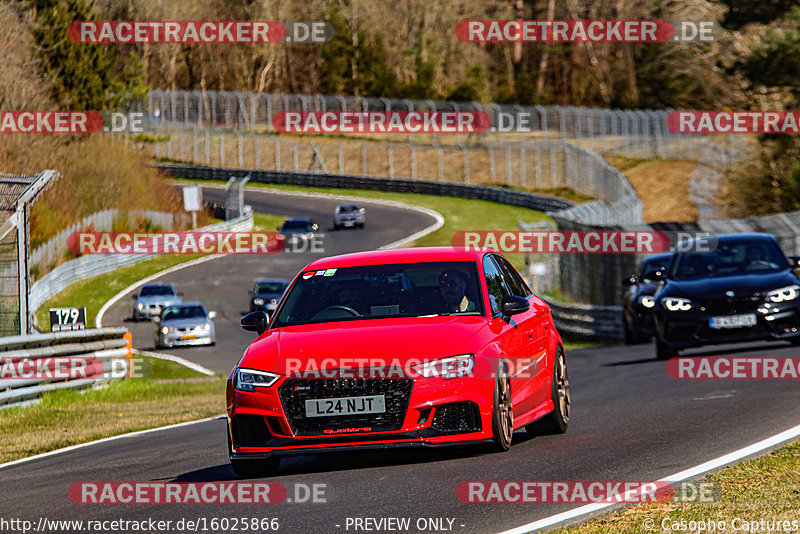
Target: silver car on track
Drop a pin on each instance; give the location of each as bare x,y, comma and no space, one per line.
187,323
152,298
349,215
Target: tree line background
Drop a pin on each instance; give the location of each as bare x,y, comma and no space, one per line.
408,48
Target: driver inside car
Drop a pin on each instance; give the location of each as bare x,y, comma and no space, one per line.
452,288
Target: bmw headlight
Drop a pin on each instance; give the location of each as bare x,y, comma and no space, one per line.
451,367
677,304
165,330
140,306
258,302
250,379
272,304
207,326
783,294
648,301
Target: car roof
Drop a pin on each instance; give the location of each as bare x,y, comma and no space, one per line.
659,257
297,219
348,205
158,284
401,255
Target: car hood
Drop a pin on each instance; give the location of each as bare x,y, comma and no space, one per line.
184,323
268,296
159,299
746,285
392,341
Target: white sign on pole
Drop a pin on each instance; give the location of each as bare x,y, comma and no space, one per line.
192,198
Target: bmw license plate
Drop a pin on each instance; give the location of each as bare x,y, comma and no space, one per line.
733,321
345,406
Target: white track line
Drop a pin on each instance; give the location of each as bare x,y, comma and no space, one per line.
106,440
176,359
692,472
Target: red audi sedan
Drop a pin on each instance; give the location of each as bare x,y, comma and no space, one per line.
410,347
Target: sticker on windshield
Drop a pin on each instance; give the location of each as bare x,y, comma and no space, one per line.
319,273
307,275
330,272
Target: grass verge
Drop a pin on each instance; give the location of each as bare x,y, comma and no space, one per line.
170,394
766,488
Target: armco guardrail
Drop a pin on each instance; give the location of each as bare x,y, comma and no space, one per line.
104,344
97,264
496,194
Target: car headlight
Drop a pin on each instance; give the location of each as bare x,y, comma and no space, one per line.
139,306
784,294
165,330
273,304
250,379
258,302
207,326
451,367
648,301
677,304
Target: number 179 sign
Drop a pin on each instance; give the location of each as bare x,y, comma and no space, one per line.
66,319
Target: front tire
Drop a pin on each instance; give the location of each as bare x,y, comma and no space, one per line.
557,421
502,412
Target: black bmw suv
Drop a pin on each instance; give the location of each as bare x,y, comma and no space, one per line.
743,289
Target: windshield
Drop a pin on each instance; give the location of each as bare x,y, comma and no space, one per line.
348,209
182,312
152,291
295,225
730,259
271,287
653,264
382,291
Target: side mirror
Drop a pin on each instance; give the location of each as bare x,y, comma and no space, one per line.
658,274
512,305
134,296
630,280
250,292
212,314
255,322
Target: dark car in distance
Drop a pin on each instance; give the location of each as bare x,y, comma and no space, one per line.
638,301
266,293
745,289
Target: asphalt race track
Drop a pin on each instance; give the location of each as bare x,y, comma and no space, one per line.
630,421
